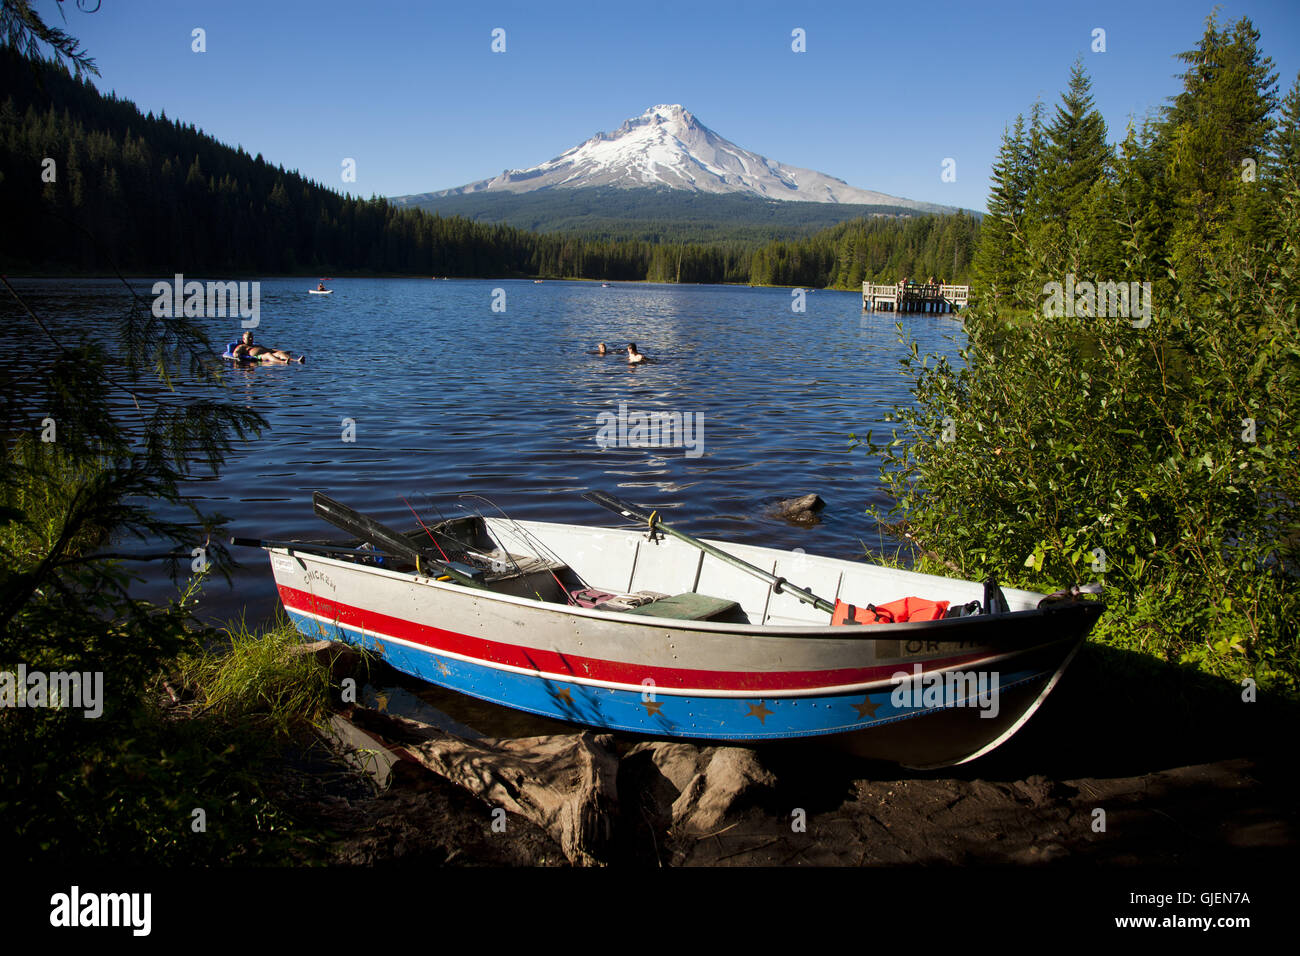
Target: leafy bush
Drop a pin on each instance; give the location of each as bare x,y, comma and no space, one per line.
1159,460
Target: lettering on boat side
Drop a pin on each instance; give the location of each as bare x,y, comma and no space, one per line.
281,562
916,647
75,908
937,689
317,575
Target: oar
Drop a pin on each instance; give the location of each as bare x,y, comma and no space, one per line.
385,538
306,547
651,518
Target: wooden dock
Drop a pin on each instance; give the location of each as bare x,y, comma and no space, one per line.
907,296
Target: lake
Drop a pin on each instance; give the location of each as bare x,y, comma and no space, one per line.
448,396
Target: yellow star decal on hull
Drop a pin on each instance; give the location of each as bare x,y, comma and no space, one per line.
563,694
760,711
866,708
651,707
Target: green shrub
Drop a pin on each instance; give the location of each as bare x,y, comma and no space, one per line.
1159,460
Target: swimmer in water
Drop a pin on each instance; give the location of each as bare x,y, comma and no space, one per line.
600,348
246,349
633,356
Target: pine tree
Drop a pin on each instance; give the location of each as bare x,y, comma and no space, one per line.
1284,153
1071,159
1000,257
1075,154
1138,209
1211,138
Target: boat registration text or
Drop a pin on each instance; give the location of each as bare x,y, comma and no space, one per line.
922,648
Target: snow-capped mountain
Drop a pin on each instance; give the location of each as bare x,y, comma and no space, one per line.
666,146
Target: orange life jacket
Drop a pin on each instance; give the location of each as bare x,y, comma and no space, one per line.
895,612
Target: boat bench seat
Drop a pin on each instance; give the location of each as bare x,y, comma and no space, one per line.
516,564
686,607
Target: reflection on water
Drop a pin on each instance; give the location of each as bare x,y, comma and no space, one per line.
448,396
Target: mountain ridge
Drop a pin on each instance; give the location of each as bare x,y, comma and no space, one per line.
668,147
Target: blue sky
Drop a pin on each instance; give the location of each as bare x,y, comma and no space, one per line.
413,92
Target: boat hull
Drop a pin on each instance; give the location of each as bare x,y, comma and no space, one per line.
922,694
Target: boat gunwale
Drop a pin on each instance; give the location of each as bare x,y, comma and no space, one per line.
798,631
668,690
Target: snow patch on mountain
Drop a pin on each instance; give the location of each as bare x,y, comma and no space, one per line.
666,146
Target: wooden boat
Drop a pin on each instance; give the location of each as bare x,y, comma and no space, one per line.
494,608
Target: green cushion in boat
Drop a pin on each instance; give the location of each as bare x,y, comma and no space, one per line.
686,607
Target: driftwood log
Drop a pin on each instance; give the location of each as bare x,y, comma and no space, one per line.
340,658
703,785
564,783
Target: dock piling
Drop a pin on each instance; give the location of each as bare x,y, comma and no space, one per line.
904,296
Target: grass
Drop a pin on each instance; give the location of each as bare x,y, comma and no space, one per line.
258,679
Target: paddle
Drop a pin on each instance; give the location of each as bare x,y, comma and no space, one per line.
381,536
779,584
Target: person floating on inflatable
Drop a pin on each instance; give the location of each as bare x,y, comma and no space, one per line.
247,350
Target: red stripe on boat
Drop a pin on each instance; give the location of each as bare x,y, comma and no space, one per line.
537,659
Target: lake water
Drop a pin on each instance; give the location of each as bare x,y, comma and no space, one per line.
448,396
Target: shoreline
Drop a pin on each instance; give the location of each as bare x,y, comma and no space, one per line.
1202,799
396,275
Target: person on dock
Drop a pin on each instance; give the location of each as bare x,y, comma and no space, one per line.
246,349
633,356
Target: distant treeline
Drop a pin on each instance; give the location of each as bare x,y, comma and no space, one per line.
872,250
654,214
96,184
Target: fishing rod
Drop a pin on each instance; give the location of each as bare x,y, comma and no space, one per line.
531,539
537,545
651,518
426,529
381,536
467,548
568,599
500,545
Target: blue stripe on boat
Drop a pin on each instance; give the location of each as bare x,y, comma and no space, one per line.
703,717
